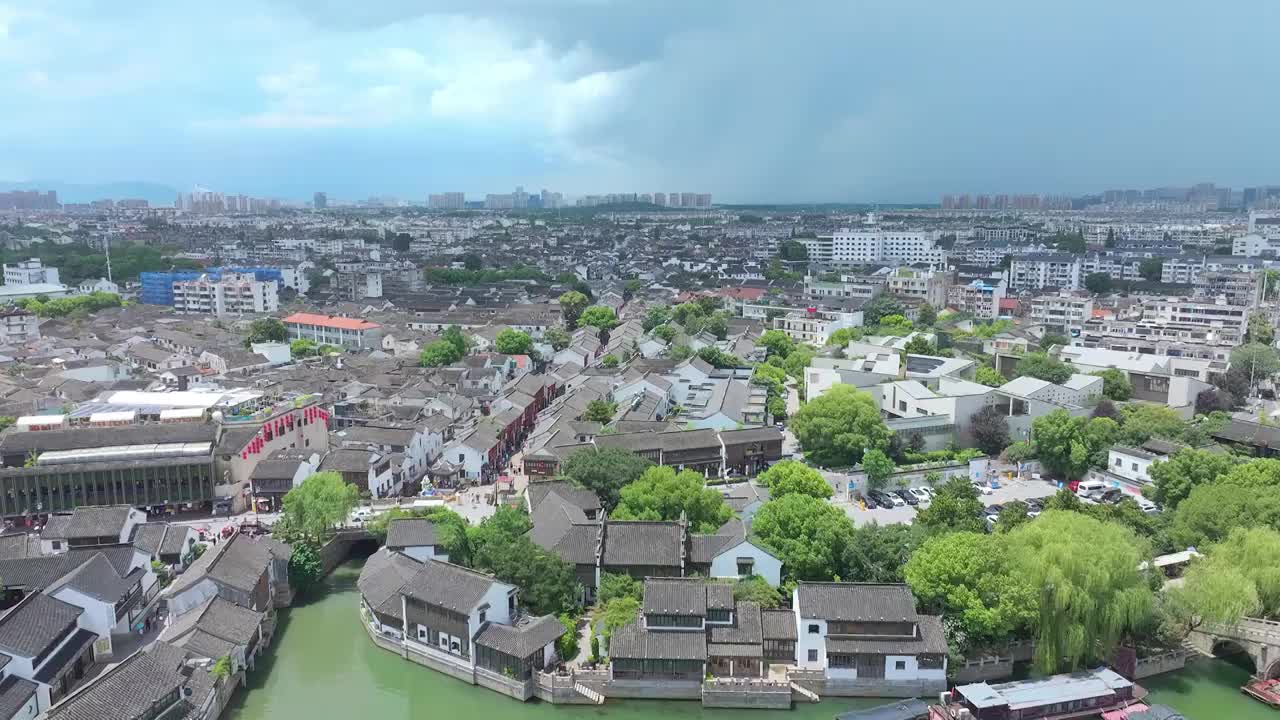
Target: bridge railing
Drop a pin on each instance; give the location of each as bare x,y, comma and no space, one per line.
1257,629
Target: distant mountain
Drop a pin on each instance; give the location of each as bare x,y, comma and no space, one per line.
154,193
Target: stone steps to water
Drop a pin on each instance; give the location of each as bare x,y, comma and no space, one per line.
588,693
805,692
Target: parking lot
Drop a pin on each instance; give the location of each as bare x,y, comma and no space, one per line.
1009,490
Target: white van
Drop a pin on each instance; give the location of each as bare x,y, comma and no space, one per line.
1087,486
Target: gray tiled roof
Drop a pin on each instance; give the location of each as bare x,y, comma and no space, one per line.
552,520
449,586
578,545
89,521
642,543
18,545
175,540
746,628
931,640
675,596
14,442
633,642
778,624
148,537
582,498
522,640
239,563
875,602
381,579
34,623
410,532
719,596
128,690
99,580
14,694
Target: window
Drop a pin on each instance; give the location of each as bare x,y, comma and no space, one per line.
813,630
813,655
422,632
1133,466
482,614
57,544
900,665
746,566
1119,462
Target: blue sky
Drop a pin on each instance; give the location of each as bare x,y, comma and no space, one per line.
752,100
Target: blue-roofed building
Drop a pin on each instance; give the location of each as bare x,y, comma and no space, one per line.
157,287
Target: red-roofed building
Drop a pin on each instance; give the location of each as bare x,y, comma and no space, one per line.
331,330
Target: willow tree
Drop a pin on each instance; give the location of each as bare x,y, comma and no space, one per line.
1253,553
1091,592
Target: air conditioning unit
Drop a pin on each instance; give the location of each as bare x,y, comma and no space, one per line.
944,698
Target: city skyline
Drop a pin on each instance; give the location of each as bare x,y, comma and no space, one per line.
838,103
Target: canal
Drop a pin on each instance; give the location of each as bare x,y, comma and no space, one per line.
323,666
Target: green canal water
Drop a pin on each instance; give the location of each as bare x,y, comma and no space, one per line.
322,666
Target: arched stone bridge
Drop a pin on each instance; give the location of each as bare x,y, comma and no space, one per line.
1259,638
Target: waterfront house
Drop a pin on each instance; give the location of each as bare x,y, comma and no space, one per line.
464,623
729,554
217,629
415,537
241,570
867,638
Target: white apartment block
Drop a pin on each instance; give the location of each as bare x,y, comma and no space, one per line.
868,245
848,286
1181,311
927,285
1036,272
1160,339
980,298
1061,312
815,327
234,294
30,272
1117,266
1266,224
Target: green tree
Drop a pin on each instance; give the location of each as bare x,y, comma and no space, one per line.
316,506
679,352
221,669
513,342
757,590
665,333
572,303
656,316
1091,592
1040,365
567,643
1051,339
557,337
1098,283
1210,512
630,288
454,336
609,361
1215,592
439,353
955,509
808,534
1173,478
605,471
1256,360
600,317
660,493
1252,553
601,411
878,466
1115,384
305,567
1144,421
837,428
302,348
1260,330
619,585
472,262
970,579
791,476
718,358
266,330
878,553
990,430
792,250
1151,269
717,325
880,306
1068,446
920,345
927,316
776,342
777,409
990,377
618,613
843,336
501,545
1259,473
1011,516
895,324
796,362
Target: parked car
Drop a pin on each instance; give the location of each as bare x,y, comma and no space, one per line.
1146,505
361,515
921,495
982,488
1034,504
888,500
867,502
907,497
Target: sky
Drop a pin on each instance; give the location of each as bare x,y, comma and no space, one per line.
752,100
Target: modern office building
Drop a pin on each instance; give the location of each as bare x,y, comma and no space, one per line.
320,201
